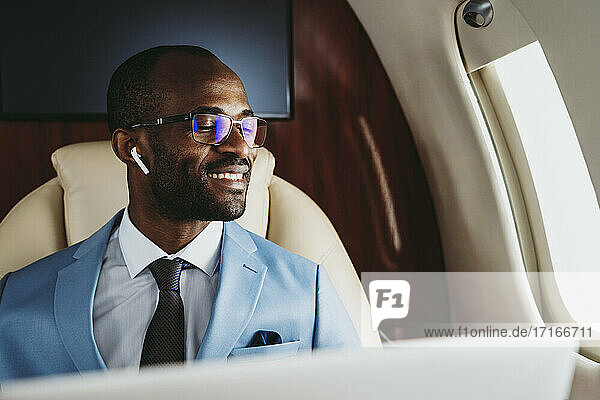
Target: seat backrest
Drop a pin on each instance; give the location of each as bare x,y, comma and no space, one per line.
91,186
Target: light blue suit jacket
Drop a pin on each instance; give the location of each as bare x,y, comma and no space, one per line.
46,307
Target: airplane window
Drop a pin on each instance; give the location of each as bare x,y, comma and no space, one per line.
560,201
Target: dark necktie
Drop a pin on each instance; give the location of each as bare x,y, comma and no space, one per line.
165,338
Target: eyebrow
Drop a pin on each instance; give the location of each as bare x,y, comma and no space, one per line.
219,110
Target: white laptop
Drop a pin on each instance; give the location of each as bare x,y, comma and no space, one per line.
423,370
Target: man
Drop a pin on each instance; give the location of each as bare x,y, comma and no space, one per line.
166,279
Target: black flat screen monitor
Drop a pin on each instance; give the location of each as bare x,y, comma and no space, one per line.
56,57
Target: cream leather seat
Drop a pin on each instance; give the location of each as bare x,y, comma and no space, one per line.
91,187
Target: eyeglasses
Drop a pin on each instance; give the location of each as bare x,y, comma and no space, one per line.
214,129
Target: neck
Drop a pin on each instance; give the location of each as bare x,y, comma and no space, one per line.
170,236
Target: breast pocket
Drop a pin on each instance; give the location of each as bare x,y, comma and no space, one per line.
270,352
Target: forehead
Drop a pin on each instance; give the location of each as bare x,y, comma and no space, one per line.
194,82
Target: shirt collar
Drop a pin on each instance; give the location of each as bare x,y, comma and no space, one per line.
139,251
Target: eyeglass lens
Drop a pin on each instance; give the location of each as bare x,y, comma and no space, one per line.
213,129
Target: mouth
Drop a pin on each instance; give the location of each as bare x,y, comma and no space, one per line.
236,181
227,176
232,176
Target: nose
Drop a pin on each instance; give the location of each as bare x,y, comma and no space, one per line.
235,143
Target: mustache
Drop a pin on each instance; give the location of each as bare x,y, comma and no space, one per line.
228,161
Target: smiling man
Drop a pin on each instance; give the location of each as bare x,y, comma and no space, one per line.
171,277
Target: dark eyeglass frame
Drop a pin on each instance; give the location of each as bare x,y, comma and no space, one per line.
190,116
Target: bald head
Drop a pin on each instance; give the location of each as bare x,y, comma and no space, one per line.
183,80
145,84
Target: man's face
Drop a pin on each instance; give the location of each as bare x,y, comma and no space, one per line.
184,178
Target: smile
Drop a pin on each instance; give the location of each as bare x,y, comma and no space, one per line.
227,175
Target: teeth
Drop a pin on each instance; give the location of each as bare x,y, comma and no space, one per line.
227,175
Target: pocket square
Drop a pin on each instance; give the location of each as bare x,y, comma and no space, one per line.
265,338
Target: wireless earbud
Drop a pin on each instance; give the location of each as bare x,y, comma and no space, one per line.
139,161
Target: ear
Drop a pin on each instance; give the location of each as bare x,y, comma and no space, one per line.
122,143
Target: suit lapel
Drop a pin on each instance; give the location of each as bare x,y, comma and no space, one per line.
74,299
240,284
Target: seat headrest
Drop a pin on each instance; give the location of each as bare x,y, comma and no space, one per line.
95,187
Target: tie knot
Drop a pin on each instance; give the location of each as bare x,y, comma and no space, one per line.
167,272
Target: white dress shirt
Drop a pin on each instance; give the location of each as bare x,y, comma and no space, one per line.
127,294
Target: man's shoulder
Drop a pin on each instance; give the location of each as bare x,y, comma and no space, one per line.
287,272
47,266
282,264
267,248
